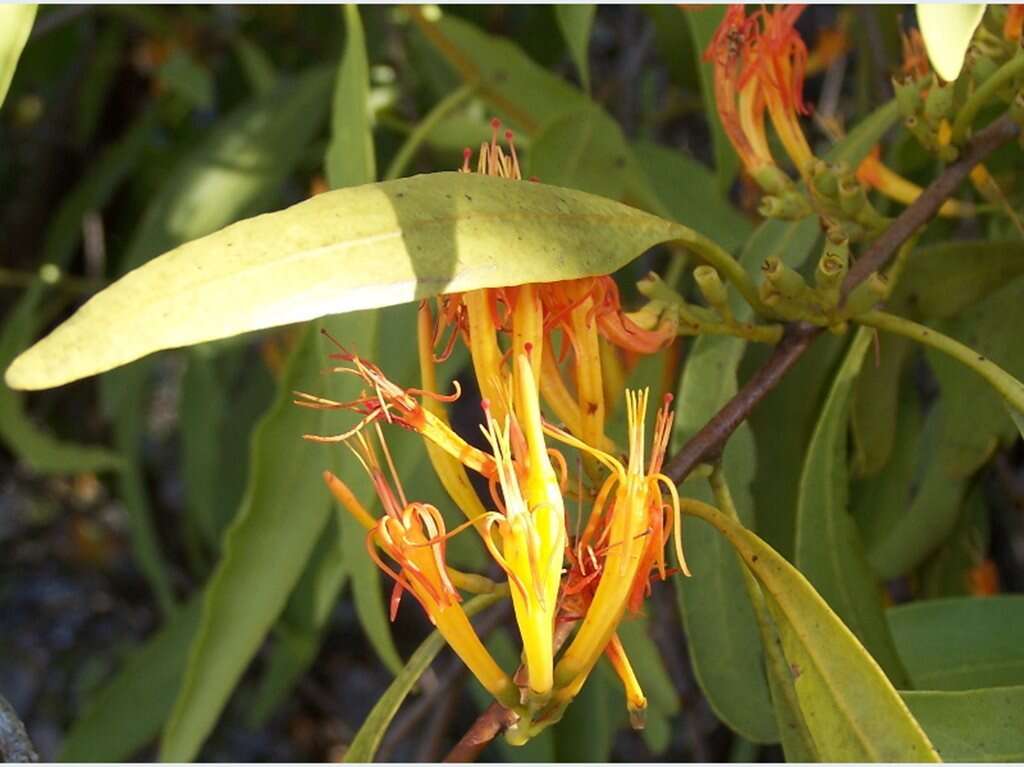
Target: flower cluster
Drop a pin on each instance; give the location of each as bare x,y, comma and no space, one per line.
534,347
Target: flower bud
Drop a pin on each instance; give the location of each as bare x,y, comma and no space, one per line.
713,290
866,296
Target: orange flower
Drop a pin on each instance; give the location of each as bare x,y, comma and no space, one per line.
759,63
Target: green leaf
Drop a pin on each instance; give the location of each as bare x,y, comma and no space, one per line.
851,709
584,734
350,156
829,550
947,31
973,725
722,634
15,26
874,405
299,633
944,279
965,437
41,451
363,332
345,250
583,150
126,712
183,75
576,21
687,189
862,139
703,23
950,570
259,69
265,551
366,742
961,643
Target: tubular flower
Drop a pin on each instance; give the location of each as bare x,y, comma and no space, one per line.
874,173
530,527
412,536
580,311
759,63
627,521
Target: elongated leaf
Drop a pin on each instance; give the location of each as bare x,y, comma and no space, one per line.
944,279
584,150
367,740
585,732
126,712
703,23
299,632
961,643
15,26
828,545
363,332
350,157
850,707
874,407
265,551
41,451
688,190
576,21
345,250
965,437
722,634
947,31
973,725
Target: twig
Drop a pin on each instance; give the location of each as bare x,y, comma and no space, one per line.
708,443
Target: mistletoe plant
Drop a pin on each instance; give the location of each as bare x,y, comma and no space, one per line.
517,273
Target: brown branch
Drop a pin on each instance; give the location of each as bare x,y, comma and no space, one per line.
707,444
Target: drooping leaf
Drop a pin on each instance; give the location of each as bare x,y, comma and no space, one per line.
944,279
965,437
972,725
723,639
15,26
366,742
126,712
265,551
584,150
688,190
362,332
703,23
349,249
654,679
947,31
188,79
584,733
576,21
299,632
829,550
954,568
874,406
850,706
350,155
41,451
961,643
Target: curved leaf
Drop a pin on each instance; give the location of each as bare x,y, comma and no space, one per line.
973,725
265,551
350,156
126,712
947,31
15,26
962,642
367,741
851,709
583,149
576,21
349,249
829,550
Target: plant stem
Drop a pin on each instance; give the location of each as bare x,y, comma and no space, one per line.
1009,387
985,93
441,110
